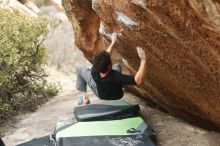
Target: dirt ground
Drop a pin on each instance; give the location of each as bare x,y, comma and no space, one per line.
170,130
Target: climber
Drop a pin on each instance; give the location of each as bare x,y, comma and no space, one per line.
105,79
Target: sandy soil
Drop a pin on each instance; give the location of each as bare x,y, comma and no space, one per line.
170,130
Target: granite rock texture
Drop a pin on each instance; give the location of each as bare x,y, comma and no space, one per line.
182,43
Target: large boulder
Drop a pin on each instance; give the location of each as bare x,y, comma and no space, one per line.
182,43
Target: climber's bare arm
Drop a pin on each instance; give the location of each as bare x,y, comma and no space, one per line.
114,38
140,75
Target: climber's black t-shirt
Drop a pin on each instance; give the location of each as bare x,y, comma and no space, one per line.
110,87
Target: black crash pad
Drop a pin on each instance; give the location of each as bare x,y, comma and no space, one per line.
131,140
42,141
108,110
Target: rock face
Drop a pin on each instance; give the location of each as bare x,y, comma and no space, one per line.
182,43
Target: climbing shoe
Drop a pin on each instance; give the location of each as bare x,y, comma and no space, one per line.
83,100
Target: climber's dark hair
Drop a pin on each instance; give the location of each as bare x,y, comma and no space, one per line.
101,61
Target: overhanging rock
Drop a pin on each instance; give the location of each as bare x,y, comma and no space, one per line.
182,43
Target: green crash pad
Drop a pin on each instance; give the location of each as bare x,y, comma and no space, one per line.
100,133
97,128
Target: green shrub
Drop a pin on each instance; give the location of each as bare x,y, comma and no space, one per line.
22,59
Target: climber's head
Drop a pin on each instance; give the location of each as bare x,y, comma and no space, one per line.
102,62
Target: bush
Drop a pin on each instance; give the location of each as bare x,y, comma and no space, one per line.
22,59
